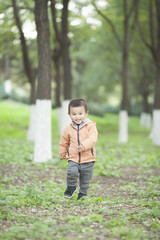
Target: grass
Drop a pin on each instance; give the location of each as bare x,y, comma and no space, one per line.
123,200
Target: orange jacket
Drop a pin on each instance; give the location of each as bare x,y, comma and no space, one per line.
84,135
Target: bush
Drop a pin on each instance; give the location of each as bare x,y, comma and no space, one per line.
14,96
3,95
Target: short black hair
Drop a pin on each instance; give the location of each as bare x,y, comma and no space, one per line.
77,102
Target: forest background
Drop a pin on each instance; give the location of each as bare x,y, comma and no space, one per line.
95,54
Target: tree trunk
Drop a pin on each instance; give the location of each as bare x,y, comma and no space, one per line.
57,64
123,116
30,72
157,87
26,61
65,43
145,118
156,112
146,105
7,82
44,56
57,54
124,102
155,134
32,121
43,145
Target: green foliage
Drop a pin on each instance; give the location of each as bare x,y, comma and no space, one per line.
123,201
101,109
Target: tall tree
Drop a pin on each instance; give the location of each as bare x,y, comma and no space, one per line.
43,146
57,54
124,44
7,83
63,52
29,69
142,81
63,46
154,45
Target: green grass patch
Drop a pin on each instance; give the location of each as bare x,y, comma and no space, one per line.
124,196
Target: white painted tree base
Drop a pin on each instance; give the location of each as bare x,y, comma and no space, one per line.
123,127
155,134
63,117
32,123
7,86
145,120
43,143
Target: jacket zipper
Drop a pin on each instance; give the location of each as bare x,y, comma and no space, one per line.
78,144
68,149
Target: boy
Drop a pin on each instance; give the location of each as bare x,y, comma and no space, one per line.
77,145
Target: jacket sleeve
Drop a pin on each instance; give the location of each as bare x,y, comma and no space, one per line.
92,137
64,143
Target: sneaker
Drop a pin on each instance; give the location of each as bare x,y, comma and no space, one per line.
80,195
69,191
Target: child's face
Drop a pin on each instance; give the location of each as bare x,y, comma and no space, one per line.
78,114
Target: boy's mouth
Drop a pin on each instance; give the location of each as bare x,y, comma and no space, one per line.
78,120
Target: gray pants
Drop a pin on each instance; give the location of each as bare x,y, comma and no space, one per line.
83,172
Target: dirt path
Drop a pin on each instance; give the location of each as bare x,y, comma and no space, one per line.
110,198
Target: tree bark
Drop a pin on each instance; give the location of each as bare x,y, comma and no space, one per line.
7,83
144,86
124,102
57,55
157,88
65,43
146,105
57,64
44,56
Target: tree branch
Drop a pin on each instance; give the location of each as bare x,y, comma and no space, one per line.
152,26
111,25
57,32
27,65
134,2
135,20
148,45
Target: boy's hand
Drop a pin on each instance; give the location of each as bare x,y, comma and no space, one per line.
80,149
62,157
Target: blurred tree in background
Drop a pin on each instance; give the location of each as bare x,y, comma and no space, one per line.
95,55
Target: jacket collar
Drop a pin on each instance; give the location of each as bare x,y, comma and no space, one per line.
80,125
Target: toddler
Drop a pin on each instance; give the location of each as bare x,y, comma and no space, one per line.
77,145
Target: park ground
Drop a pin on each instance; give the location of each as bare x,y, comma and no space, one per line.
123,199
